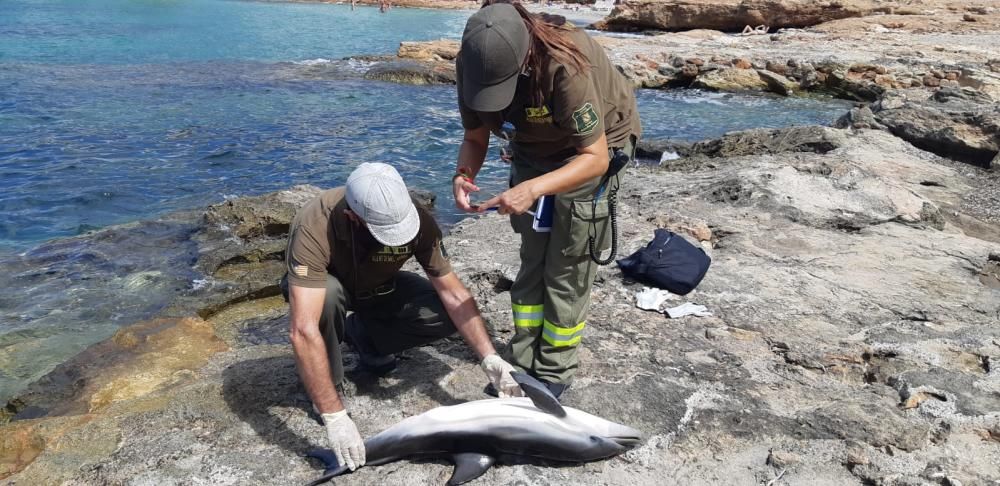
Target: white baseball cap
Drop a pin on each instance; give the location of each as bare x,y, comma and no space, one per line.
377,194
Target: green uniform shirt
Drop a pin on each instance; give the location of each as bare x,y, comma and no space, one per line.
577,109
322,240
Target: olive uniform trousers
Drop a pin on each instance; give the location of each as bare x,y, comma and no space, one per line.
551,295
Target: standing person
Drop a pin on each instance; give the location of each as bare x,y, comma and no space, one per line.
345,250
570,110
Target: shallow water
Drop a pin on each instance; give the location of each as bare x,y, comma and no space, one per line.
117,111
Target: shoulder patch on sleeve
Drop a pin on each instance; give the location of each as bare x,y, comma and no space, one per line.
585,119
301,270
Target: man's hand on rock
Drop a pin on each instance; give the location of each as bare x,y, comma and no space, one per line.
498,371
345,440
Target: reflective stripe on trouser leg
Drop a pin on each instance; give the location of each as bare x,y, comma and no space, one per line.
527,315
562,337
527,328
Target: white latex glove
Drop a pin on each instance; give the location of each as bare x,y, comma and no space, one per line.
498,371
688,309
345,440
651,299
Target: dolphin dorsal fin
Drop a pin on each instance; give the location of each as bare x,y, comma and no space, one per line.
469,466
539,394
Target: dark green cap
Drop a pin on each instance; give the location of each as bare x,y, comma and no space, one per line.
494,46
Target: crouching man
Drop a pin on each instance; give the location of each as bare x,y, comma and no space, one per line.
345,250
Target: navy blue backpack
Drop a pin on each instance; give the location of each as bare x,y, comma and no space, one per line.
668,262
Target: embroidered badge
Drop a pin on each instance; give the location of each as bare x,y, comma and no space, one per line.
585,119
392,254
301,270
542,114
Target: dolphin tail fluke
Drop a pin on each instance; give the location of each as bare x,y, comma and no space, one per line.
539,394
332,468
469,466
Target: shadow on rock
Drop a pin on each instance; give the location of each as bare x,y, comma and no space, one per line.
418,370
256,390
253,388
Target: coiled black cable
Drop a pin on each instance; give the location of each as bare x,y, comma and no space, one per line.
613,215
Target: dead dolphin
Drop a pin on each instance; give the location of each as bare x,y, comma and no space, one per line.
474,434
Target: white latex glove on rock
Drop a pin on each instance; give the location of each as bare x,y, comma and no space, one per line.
498,371
651,299
688,309
345,441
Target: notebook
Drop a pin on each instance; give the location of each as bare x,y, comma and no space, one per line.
544,211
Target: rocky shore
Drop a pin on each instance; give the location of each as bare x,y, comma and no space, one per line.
854,339
855,288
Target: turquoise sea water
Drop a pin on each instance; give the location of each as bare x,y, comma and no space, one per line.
118,111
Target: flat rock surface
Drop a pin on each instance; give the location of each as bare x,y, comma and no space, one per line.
854,341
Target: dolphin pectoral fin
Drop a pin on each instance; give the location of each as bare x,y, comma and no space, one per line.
330,465
539,394
469,466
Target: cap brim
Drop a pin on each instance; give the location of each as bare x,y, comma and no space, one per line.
494,97
400,233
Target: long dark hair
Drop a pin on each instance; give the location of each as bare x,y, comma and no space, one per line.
549,41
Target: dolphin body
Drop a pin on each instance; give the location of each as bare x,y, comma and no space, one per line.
474,434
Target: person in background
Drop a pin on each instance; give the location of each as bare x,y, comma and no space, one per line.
551,90
345,250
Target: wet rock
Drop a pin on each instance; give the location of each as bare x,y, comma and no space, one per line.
958,123
257,217
661,150
731,79
413,72
22,442
137,360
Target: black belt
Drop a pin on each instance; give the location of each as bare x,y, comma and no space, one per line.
384,289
